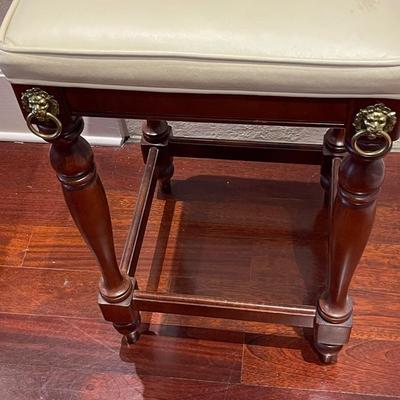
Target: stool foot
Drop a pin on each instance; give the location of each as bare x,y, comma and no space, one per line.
133,337
329,337
165,181
328,354
166,187
125,318
130,331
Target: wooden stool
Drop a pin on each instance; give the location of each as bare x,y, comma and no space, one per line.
310,63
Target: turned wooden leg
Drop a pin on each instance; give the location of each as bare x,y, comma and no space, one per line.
156,134
333,147
72,159
49,117
360,178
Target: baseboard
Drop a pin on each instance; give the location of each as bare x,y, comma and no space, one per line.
116,126
21,137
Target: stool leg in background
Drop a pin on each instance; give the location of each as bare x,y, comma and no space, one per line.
333,147
156,134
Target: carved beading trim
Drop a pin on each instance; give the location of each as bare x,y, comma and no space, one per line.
78,182
357,199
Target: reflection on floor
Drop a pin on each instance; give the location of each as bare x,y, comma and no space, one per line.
248,231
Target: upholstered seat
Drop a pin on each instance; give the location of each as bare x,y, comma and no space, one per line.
347,48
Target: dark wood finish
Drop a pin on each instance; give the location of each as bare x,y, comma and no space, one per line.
153,106
52,340
157,134
72,159
352,217
302,316
209,107
334,176
354,207
333,147
134,241
246,150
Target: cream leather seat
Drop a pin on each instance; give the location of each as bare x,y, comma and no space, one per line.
262,47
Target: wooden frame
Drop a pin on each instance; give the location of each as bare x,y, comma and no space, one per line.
351,182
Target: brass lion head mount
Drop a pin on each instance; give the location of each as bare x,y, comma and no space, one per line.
375,119
39,103
41,107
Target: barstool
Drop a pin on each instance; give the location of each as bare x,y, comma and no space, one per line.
333,64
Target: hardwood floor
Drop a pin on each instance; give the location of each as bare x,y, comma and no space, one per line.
248,231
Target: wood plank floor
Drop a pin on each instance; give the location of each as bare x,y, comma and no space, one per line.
248,231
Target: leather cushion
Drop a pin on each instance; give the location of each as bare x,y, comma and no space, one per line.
341,48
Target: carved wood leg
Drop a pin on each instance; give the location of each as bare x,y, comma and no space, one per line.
333,147
72,159
360,178
156,134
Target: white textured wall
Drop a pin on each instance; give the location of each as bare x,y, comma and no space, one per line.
246,132
243,132
250,132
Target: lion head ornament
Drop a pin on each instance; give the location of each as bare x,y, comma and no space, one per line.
375,119
39,103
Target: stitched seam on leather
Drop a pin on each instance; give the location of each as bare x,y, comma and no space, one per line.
205,91
204,58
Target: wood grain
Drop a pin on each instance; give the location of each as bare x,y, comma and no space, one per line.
274,361
53,344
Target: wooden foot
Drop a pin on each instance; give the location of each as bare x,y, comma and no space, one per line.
131,331
330,337
328,354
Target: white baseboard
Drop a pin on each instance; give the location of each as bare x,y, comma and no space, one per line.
95,140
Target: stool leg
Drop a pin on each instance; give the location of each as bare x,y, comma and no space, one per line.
360,178
72,159
333,147
156,134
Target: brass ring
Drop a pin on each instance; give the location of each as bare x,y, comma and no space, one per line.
45,136
371,154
